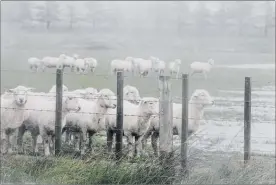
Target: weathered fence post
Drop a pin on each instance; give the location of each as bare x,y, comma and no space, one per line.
184,129
166,127
59,90
119,116
247,119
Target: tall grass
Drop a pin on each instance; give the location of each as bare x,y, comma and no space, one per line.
101,169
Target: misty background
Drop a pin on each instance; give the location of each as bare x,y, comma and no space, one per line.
230,32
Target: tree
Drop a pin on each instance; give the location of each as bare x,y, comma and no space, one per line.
72,15
183,15
47,13
269,16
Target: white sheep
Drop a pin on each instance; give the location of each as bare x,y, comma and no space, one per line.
142,66
136,118
54,62
131,94
91,93
198,101
41,119
92,63
159,66
70,61
12,114
81,66
201,67
121,65
35,64
174,67
89,120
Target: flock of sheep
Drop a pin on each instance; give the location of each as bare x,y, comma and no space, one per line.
133,65
86,112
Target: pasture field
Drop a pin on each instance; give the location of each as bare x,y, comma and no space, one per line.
213,154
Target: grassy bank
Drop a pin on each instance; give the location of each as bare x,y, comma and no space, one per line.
101,169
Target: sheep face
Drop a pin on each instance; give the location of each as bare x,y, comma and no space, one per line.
149,105
20,95
202,98
105,101
71,104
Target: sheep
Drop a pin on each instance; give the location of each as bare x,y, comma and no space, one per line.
35,64
41,119
131,94
91,93
198,101
159,66
135,122
174,67
121,65
90,120
70,61
12,114
142,66
201,67
54,62
53,89
81,66
92,62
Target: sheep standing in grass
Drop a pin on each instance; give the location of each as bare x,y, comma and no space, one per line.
92,63
35,64
70,61
131,94
41,119
89,120
12,114
136,119
199,100
52,91
158,65
121,65
202,67
174,67
54,62
80,66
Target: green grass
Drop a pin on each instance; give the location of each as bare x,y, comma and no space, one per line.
101,169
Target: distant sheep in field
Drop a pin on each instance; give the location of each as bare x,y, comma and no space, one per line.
174,67
121,65
35,64
92,63
54,62
202,67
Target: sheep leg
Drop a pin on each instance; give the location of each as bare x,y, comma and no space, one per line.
109,138
46,146
154,137
83,141
76,141
131,149
20,134
35,146
90,135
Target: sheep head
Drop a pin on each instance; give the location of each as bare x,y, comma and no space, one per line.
149,105
201,98
20,94
131,94
106,101
71,103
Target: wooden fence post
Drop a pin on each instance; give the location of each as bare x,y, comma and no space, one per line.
166,124
184,129
119,116
247,119
59,92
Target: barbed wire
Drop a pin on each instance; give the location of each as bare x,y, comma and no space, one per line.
70,94
136,115
102,75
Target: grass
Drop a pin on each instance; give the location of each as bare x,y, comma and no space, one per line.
101,169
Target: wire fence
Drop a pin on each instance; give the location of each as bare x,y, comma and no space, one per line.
195,137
